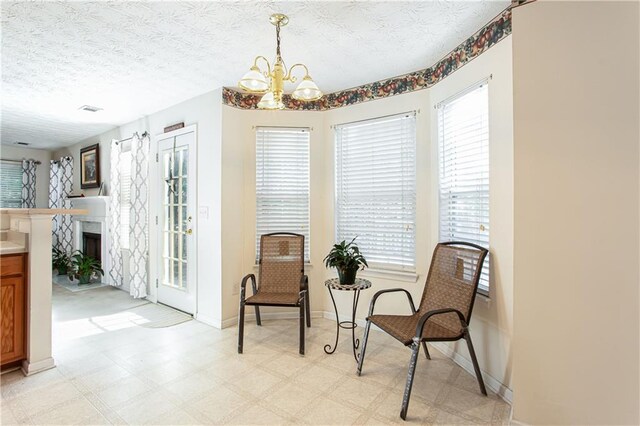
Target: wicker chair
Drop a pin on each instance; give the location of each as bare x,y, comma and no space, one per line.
281,280
444,311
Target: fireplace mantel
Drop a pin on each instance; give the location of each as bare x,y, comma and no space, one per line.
97,208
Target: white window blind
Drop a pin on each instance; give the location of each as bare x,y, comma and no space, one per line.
376,189
125,195
10,184
282,183
463,130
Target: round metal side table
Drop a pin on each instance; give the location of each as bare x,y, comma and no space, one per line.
334,284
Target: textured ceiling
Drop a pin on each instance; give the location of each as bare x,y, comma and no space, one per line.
136,58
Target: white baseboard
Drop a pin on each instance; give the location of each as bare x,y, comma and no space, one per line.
251,316
29,368
491,382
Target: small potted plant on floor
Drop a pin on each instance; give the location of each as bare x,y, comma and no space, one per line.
347,259
60,261
84,267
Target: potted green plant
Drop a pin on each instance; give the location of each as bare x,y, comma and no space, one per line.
84,267
60,261
347,259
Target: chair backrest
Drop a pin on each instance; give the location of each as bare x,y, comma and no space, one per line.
281,262
452,281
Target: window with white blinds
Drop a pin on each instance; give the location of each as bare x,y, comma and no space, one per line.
463,130
376,189
282,183
125,195
10,184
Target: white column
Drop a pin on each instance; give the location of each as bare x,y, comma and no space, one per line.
39,289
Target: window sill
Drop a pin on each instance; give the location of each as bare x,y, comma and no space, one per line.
409,277
483,296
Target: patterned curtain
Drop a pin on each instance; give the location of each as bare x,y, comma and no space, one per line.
60,186
115,250
139,219
28,184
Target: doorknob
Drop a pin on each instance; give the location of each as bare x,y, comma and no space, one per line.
189,231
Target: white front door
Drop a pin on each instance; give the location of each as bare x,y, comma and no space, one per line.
177,221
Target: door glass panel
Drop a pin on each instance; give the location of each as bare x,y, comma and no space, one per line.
176,223
184,190
184,244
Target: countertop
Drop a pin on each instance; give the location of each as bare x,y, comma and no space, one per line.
9,247
33,212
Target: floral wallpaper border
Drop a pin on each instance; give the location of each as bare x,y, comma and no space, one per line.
480,42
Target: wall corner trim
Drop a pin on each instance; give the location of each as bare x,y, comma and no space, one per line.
213,322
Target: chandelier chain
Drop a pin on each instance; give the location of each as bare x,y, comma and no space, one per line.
278,41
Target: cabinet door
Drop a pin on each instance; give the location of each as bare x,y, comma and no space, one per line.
12,324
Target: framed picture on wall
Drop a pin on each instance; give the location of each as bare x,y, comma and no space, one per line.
90,167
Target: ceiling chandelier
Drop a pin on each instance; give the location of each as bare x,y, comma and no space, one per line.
271,82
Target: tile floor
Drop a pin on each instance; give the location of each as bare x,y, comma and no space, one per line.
112,371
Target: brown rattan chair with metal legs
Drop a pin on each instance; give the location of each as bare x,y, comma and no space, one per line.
444,311
281,281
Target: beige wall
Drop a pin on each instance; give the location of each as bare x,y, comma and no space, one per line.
576,324
492,322
42,170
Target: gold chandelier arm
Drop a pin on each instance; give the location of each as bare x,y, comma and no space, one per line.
292,78
255,64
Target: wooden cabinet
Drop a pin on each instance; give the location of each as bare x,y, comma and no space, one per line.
13,307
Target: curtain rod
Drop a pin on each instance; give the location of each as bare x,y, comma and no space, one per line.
66,157
131,137
20,161
465,91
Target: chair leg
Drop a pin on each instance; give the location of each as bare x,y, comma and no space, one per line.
426,351
258,320
308,308
241,327
364,347
302,320
474,359
415,349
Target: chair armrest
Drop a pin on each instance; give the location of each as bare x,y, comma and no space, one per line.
243,285
391,290
424,318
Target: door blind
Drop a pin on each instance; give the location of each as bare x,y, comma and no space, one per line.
282,183
463,130
376,189
10,184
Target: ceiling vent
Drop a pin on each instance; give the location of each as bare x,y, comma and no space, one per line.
21,143
89,108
